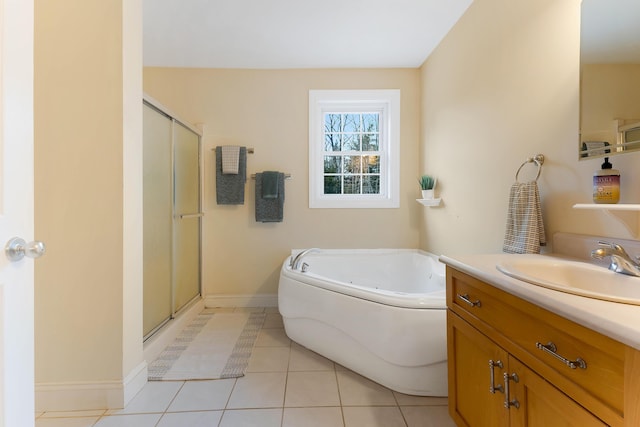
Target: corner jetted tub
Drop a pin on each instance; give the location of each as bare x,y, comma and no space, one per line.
379,312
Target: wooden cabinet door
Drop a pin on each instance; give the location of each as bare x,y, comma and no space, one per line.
471,402
541,404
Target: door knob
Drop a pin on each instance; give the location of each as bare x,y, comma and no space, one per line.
17,248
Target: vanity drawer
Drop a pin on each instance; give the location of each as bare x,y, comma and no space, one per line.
523,329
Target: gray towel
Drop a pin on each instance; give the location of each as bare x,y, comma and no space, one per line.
269,209
230,188
525,230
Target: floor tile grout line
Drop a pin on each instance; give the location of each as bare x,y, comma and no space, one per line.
282,408
395,398
226,406
286,384
171,402
335,372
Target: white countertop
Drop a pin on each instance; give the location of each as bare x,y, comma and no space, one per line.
616,320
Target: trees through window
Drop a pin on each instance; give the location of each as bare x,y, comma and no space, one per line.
354,146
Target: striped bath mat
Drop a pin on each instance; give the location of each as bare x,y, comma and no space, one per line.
212,346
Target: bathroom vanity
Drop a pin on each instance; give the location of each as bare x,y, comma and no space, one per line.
524,355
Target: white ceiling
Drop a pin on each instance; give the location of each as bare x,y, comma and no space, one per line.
295,33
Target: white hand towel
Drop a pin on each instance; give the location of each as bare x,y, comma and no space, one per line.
525,230
230,159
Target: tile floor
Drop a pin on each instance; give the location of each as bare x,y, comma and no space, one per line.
285,385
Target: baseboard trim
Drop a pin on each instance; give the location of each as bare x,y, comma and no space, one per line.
85,395
134,382
253,300
79,396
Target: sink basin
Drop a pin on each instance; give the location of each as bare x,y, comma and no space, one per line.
574,277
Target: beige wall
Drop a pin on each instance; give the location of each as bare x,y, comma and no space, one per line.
88,131
268,110
608,92
504,86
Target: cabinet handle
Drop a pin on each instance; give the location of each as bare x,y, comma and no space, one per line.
551,349
466,299
509,403
493,387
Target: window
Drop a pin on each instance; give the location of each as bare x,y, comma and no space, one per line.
354,147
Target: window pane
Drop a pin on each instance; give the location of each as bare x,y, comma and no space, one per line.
332,142
332,122
354,148
371,184
352,164
332,164
371,122
332,185
371,164
352,184
351,123
351,142
370,142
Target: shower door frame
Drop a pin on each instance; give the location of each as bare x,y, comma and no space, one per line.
176,216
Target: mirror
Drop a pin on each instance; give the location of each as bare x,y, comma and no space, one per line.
609,77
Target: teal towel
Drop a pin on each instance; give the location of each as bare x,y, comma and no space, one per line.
270,184
269,209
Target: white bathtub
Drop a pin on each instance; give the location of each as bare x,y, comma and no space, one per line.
381,313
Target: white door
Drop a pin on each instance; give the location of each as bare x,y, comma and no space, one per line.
16,212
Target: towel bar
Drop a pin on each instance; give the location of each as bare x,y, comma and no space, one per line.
286,176
249,150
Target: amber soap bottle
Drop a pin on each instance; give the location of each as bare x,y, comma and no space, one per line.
606,184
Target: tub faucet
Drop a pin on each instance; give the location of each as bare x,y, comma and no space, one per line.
621,262
295,261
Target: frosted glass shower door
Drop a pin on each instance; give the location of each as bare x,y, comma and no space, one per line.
187,215
157,218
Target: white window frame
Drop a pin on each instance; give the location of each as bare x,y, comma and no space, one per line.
387,102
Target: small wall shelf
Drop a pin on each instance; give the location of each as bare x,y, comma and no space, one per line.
627,213
429,202
608,206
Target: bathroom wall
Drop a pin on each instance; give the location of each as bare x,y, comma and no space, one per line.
88,202
268,110
608,91
501,87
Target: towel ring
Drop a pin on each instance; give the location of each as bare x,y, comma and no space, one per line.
538,159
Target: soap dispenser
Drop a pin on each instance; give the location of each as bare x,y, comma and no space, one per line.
606,184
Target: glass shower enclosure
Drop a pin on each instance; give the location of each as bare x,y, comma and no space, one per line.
172,216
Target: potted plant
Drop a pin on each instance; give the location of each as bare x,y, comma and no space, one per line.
427,185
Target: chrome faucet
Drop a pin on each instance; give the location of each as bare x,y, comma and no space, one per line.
295,261
621,262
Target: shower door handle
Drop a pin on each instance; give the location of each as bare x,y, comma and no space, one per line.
191,215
